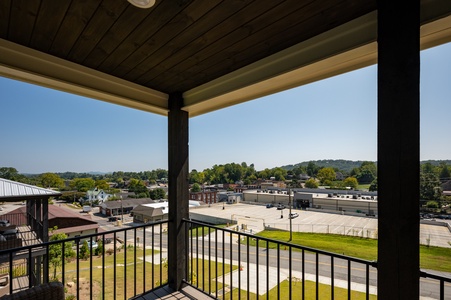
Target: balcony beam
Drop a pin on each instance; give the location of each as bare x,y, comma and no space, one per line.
398,149
178,190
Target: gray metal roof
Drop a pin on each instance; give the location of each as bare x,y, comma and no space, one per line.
16,191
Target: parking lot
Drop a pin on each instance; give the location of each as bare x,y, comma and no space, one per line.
259,217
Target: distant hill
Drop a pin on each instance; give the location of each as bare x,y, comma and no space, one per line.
436,162
348,165
340,164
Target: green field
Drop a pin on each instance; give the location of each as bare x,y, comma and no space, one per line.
432,258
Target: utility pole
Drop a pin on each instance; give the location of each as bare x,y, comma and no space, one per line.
291,219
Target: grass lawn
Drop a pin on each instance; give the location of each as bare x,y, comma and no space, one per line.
198,230
363,187
432,258
126,279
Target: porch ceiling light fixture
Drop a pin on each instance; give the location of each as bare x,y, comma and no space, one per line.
142,3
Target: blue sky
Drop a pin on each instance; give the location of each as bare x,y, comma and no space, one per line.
49,131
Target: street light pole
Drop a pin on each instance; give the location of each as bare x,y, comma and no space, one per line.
122,211
289,205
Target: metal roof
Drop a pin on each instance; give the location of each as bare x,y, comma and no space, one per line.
17,191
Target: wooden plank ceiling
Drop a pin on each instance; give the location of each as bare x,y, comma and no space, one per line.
175,46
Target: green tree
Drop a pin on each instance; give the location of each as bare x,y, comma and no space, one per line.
10,173
373,186
432,204
84,250
444,172
430,187
280,174
56,255
351,182
312,169
311,183
51,180
196,177
195,188
427,168
82,184
326,174
102,184
137,186
99,250
368,172
156,194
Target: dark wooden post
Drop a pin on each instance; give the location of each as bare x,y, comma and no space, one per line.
178,190
398,149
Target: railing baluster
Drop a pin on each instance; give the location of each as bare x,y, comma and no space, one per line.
290,274
91,250
349,279
144,258
153,256
125,265
203,259
78,269
257,264
332,284
197,256
209,259
223,264
161,254
278,270
247,267
267,269
216,262
187,231
367,282
135,264
191,258
303,274
317,276
114,266
103,264
231,265
239,266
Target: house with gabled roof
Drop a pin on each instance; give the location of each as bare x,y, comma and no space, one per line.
96,195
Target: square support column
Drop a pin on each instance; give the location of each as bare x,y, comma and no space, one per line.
178,190
398,149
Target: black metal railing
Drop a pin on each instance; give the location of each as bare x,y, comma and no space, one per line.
231,264
224,263
117,264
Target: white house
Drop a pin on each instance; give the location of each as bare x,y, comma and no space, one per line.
96,195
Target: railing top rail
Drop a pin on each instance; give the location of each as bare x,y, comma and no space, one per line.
434,276
74,239
288,244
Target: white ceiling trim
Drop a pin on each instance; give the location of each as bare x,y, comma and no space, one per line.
28,65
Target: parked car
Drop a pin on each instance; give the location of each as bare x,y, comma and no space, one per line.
280,206
113,219
4,223
269,205
92,245
293,215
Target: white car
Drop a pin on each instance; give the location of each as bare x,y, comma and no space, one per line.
293,215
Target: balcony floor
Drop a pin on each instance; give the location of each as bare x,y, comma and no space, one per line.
165,292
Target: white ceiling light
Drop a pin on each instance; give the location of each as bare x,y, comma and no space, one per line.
142,3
